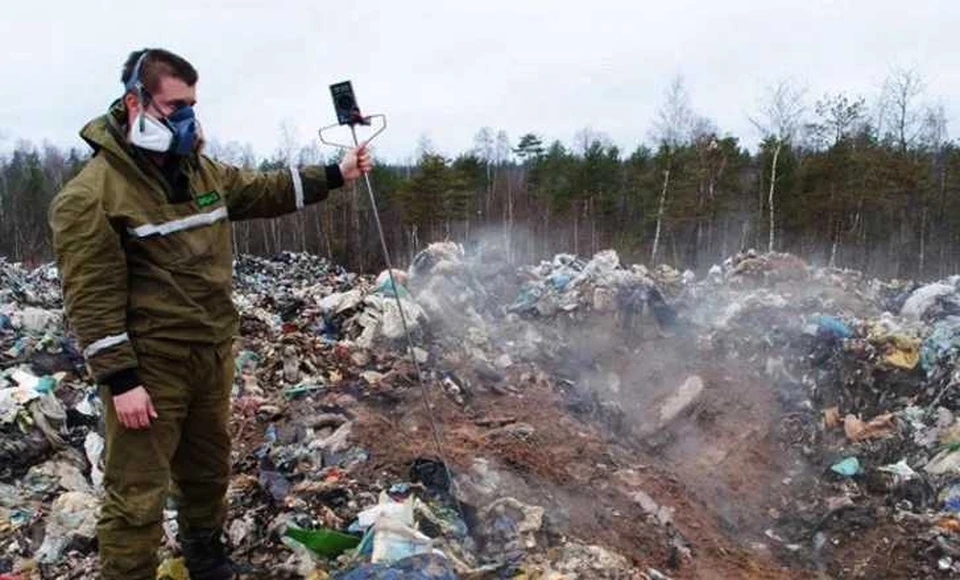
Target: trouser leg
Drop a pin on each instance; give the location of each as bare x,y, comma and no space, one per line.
201,464
137,474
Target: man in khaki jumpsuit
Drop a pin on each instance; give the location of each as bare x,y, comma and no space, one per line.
143,243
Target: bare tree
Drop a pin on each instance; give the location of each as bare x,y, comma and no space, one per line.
672,130
494,150
899,105
935,138
425,146
502,153
484,146
586,137
231,152
710,166
587,142
934,127
780,119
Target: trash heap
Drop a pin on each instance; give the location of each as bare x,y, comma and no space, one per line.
322,351
866,376
48,419
549,430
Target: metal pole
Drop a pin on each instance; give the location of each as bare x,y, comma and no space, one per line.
435,429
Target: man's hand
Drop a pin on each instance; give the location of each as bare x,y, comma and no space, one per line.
135,409
355,163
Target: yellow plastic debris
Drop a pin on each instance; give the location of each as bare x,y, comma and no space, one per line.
899,350
903,353
172,569
950,435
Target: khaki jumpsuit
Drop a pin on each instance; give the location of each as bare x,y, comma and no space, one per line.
146,267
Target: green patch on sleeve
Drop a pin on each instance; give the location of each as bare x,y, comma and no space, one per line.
208,199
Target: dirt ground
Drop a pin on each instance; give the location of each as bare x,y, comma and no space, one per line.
724,468
591,474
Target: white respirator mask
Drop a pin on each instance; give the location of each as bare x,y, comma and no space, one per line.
150,134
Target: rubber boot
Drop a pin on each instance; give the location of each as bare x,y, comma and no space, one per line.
206,556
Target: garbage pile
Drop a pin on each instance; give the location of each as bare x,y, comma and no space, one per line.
866,376
48,415
561,422
321,350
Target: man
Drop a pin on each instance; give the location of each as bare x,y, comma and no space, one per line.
143,242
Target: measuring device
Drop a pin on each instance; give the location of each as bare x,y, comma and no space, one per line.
348,113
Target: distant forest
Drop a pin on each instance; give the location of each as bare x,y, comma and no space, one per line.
839,180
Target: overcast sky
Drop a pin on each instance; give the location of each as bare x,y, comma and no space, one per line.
445,69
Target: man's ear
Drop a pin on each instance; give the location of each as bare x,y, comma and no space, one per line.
132,103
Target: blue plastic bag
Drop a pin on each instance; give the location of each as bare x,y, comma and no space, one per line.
833,327
420,567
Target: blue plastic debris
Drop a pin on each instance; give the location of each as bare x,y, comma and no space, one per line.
833,327
270,436
390,290
301,389
530,293
942,344
18,348
950,498
419,567
399,489
246,360
46,385
847,467
275,483
559,280
329,329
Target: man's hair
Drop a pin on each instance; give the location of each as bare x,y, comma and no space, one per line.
158,63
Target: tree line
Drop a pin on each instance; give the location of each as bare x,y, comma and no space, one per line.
837,180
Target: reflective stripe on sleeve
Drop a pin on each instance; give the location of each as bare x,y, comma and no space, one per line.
105,343
297,187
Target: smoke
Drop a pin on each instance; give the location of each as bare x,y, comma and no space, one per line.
624,364
706,399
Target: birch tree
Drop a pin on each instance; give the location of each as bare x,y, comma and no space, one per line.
779,120
672,131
